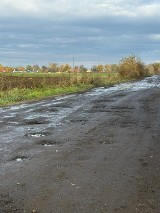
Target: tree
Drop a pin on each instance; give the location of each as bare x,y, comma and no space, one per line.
94,68
131,67
114,67
29,68
156,68
65,68
53,67
82,68
35,68
20,68
1,68
100,68
8,69
108,68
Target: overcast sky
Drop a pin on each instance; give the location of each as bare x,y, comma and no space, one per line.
90,31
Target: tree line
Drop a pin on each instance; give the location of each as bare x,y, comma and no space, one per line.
129,66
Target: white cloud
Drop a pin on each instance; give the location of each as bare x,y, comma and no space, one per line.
83,8
149,10
155,37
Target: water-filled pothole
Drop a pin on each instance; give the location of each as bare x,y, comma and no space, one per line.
19,158
38,134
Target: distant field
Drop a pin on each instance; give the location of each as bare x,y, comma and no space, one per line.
9,81
18,87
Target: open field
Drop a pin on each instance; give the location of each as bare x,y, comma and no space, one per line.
10,81
16,87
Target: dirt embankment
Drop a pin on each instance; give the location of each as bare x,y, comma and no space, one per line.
82,154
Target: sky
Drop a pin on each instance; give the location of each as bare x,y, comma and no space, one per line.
89,32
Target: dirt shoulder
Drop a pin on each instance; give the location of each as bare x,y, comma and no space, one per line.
101,156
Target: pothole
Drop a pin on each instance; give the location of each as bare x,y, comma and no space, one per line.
102,101
36,122
48,143
19,158
62,106
52,109
78,120
38,134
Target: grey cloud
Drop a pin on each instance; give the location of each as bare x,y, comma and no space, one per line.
91,39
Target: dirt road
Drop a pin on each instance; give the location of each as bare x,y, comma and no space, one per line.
92,152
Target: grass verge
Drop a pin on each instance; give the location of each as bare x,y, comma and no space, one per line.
19,95
17,89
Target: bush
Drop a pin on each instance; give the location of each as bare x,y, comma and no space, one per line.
131,67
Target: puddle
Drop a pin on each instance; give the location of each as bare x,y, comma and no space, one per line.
19,159
38,135
48,144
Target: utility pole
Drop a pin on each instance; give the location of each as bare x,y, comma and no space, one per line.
75,71
73,63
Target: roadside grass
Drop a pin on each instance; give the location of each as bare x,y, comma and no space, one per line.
19,95
19,87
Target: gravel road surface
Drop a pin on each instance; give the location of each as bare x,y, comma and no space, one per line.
97,151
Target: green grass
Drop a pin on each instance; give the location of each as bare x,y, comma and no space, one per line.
19,95
34,74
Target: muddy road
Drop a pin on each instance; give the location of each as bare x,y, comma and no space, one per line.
97,151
